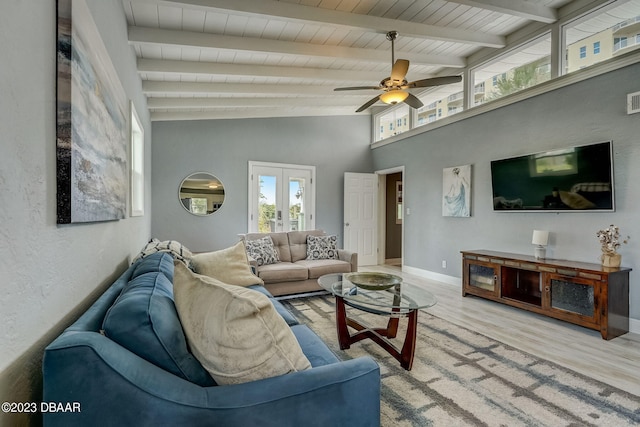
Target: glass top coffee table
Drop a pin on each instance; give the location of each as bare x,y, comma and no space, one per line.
381,294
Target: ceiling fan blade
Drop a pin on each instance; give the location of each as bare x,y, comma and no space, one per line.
399,70
358,88
413,101
368,104
435,81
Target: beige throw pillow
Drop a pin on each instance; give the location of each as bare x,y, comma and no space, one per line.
235,332
228,265
575,200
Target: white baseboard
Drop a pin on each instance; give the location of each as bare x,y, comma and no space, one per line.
634,324
438,277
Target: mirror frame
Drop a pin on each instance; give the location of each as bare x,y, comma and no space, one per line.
207,179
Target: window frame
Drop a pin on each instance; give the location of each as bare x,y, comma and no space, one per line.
529,34
395,123
136,163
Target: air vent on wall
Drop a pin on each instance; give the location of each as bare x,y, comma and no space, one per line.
633,103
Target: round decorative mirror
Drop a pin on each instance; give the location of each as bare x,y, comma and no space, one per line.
201,193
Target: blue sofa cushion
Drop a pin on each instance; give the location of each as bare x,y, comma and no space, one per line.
160,261
144,320
281,309
313,347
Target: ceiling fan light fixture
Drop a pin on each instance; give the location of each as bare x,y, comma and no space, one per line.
394,96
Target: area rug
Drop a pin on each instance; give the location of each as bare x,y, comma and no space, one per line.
462,378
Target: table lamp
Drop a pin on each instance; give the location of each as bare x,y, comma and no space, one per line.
540,239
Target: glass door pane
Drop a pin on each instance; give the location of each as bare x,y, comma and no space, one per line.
296,204
267,203
574,297
298,200
482,276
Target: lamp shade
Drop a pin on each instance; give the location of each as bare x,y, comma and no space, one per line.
540,237
394,96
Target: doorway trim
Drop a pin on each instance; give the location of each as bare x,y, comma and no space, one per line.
382,215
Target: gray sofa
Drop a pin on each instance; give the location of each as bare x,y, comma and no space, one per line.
125,362
295,273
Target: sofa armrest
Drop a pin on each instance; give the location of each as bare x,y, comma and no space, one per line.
116,387
350,257
253,264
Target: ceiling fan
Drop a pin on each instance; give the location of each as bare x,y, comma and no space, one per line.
395,86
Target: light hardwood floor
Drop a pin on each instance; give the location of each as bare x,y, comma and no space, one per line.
615,362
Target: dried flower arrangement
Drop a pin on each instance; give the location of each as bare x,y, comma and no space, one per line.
610,239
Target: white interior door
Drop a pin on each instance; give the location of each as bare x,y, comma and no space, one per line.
360,216
280,198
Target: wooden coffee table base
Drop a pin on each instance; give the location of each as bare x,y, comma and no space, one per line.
378,335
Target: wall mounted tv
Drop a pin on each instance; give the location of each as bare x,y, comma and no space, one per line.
571,179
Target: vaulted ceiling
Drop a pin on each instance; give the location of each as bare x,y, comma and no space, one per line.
204,59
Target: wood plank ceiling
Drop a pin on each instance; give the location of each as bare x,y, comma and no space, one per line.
207,59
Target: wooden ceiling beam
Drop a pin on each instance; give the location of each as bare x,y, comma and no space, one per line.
251,113
298,12
217,69
226,102
532,10
193,88
142,36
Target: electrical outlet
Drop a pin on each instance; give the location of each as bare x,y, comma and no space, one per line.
444,263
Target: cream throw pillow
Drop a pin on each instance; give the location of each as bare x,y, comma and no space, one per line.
235,332
228,265
575,201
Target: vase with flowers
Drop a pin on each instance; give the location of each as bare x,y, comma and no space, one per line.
610,242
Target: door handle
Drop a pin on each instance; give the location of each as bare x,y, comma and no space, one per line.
279,215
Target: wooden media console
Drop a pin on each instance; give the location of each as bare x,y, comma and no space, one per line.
586,294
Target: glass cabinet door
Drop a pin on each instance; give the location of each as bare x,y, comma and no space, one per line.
573,297
482,277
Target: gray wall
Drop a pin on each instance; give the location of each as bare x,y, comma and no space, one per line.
585,112
49,273
223,147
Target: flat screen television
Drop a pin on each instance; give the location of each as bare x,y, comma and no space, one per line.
578,178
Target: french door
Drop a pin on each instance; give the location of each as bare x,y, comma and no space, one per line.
281,197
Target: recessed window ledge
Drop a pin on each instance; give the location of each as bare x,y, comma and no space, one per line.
604,67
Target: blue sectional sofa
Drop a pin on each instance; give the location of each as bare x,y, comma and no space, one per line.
125,362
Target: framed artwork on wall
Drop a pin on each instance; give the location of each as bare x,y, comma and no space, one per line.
92,123
456,191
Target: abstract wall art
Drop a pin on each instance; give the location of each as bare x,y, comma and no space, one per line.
92,123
